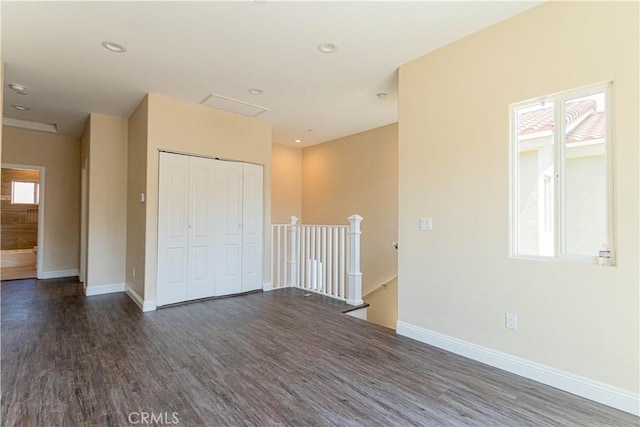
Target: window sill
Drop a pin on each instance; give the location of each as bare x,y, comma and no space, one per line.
567,259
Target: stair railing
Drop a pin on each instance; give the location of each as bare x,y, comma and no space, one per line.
324,259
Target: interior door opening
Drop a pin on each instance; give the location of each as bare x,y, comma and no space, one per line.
22,218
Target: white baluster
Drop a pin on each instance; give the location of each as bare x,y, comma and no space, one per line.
323,270
279,258
293,274
300,246
274,258
307,258
342,258
355,275
336,291
328,282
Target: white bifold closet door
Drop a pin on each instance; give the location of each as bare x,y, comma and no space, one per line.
229,229
173,212
209,228
252,220
239,228
200,230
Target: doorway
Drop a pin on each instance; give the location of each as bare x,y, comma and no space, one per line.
22,219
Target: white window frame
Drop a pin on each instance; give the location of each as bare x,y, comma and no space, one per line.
560,241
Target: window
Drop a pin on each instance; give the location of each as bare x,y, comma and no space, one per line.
25,193
561,175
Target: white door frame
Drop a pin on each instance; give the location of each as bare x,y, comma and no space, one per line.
84,186
41,207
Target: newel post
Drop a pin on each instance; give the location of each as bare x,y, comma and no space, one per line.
354,274
292,256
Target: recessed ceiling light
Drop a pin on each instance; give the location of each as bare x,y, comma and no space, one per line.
21,107
17,87
382,95
297,141
114,47
254,91
327,47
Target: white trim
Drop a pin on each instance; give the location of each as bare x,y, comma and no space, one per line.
606,394
267,286
30,124
41,206
148,305
57,274
84,210
103,289
360,313
134,296
145,306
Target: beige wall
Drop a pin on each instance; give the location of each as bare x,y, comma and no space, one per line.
195,129
1,99
458,280
60,156
107,203
286,183
136,184
357,174
383,305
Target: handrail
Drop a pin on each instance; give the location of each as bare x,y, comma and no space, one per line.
383,285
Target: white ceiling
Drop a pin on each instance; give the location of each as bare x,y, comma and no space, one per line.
188,50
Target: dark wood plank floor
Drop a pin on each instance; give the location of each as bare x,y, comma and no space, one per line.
273,358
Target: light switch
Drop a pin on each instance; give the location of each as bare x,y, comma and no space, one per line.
426,224
141,197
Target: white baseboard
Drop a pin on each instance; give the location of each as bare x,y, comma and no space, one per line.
606,394
145,306
103,289
267,286
58,274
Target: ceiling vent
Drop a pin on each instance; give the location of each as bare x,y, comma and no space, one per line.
27,124
233,105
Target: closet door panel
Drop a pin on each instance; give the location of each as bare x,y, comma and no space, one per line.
172,229
202,219
252,220
229,228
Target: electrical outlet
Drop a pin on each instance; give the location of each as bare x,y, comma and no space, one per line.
511,321
133,272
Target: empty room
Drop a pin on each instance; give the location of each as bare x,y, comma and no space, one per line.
224,213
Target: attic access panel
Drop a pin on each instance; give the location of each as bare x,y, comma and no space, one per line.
233,105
